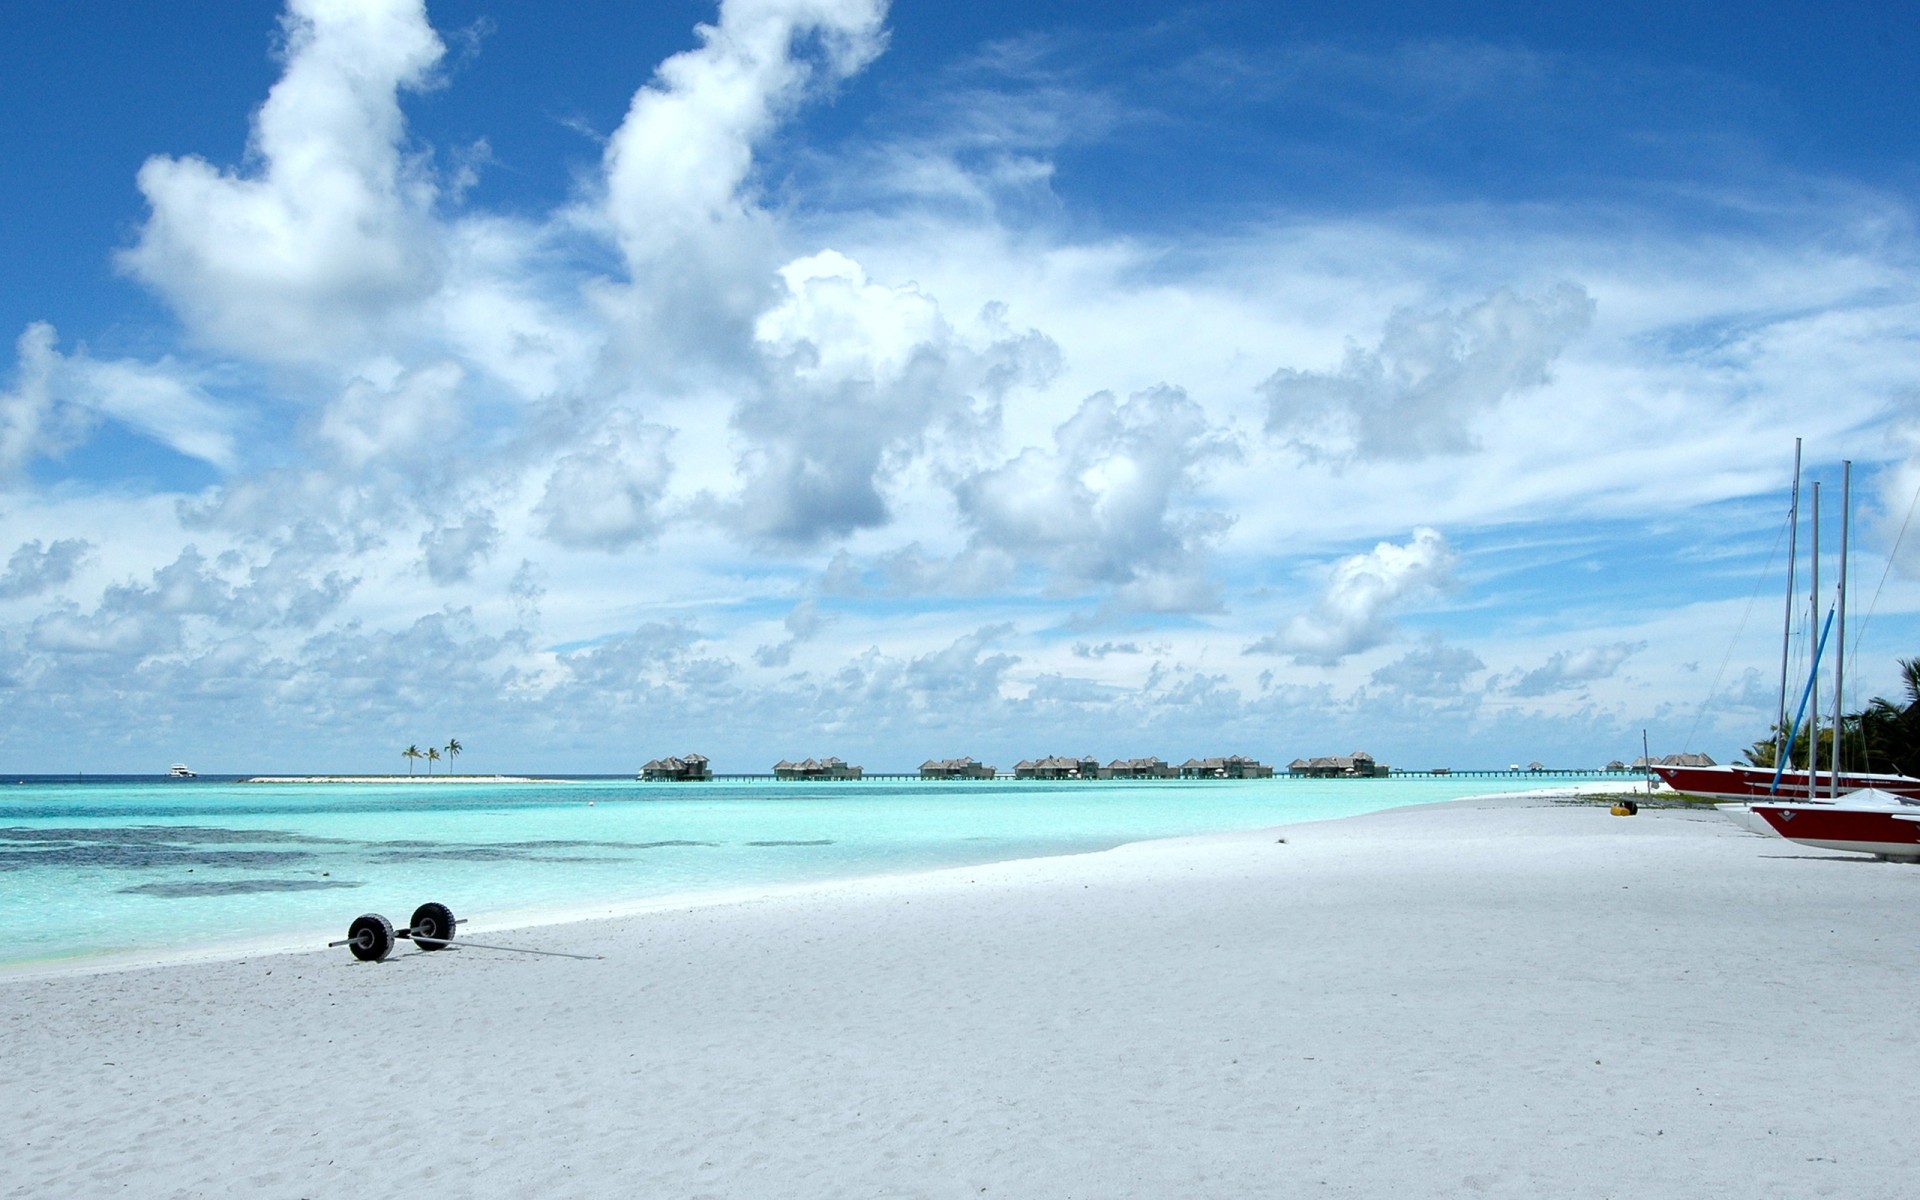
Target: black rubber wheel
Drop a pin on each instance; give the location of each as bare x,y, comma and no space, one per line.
370,937
433,921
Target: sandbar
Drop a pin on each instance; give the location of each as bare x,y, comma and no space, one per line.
385,779
1498,997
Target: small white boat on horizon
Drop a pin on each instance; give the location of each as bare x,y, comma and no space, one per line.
180,771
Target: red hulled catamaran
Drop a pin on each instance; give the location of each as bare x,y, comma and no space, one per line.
1858,811
1748,784
1869,821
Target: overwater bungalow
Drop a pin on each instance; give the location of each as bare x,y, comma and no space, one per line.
955,768
1138,768
816,768
1058,767
687,768
1234,766
1674,760
1358,765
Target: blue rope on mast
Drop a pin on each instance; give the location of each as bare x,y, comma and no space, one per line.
1813,672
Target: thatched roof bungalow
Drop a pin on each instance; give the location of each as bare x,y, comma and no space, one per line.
822,768
686,768
1358,765
955,768
1675,760
1138,768
1058,767
1233,766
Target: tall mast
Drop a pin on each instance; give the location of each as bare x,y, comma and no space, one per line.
1813,676
1780,747
1840,653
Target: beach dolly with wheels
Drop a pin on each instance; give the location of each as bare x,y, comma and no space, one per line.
371,937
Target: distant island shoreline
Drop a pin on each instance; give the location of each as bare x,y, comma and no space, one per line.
401,779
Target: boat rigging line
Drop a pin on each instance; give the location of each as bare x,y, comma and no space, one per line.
1840,653
1790,531
1806,693
1893,553
1813,674
1793,545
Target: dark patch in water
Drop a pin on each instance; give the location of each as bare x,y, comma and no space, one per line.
453,854
561,844
234,887
548,844
135,835
141,847
146,855
821,842
511,851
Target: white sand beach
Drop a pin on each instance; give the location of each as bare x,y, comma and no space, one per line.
1501,997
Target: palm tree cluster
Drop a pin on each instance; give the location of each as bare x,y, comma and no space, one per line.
1890,735
432,755
1883,736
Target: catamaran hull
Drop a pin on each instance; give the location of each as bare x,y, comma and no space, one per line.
1890,835
1756,783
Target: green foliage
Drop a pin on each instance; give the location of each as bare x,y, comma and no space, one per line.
1852,748
1889,734
1881,737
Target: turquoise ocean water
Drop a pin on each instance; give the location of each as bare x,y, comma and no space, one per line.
154,867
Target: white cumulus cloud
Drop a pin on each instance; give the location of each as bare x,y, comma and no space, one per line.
1354,613
389,412
1113,502
606,495
333,228
451,551
856,375
34,568
1565,670
676,168
1433,374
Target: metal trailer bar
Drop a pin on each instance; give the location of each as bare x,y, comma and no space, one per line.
450,944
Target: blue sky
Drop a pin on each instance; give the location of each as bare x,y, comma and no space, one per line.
937,380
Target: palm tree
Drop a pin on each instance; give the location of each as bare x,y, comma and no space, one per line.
433,756
1890,733
1883,736
453,752
411,753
